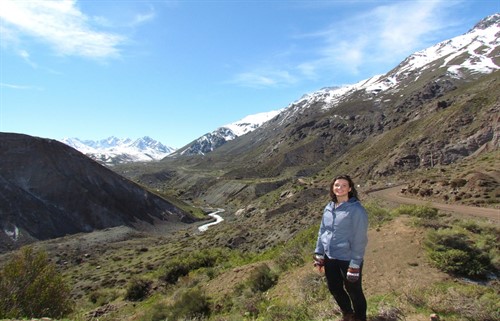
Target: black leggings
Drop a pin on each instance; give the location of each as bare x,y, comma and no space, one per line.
348,294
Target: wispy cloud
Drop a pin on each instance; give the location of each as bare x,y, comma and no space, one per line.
142,18
18,87
264,78
59,24
26,56
382,35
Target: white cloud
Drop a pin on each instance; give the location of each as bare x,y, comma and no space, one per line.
264,78
19,87
61,25
142,18
402,27
381,36
26,57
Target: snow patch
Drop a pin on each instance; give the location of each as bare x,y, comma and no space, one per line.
13,234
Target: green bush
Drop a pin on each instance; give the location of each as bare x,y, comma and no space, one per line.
158,312
174,270
137,289
314,289
296,251
454,252
420,211
262,279
459,301
102,297
193,303
290,257
458,182
30,286
181,266
377,215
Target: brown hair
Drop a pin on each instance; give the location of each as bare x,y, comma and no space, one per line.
352,193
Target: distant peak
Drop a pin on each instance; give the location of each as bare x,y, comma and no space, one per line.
488,21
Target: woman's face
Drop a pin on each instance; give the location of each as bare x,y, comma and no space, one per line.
341,188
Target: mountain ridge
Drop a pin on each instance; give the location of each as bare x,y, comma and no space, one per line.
335,129
211,141
476,50
112,150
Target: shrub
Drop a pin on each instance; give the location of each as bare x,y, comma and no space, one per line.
137,290
486,237
453,252
377,215
468,301
420,211
250,303
102,297
290,257
262,278
192,303
295,251
181,266
458,182
314,289
388,313
158,312
173,272
30,286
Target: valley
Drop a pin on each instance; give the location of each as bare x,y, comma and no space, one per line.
422,144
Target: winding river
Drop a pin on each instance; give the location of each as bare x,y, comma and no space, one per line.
217,217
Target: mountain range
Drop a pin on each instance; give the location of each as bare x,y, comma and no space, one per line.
436,108
416,124
112,150
468,54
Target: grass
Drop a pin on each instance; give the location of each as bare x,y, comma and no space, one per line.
458,301
147,296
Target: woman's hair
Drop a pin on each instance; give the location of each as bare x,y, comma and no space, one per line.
352,193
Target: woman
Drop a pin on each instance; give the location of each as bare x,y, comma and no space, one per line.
340,247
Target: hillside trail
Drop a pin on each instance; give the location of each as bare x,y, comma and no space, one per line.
396,264
392,194
396,270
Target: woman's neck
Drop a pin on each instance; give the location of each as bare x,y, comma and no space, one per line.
342,199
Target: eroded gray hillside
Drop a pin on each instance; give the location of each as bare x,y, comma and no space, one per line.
48,190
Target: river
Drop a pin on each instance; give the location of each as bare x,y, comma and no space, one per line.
217,217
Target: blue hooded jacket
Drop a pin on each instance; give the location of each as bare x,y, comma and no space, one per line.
343,232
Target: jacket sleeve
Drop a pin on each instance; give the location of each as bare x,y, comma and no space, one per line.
319,245
359,238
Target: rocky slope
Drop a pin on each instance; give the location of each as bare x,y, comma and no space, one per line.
423,125
50,190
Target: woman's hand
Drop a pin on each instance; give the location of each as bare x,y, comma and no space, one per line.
319,261
353,274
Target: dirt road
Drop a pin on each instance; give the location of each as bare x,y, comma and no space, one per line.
392,194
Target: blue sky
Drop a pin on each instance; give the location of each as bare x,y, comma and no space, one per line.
175,70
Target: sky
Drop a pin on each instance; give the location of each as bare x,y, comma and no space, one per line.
176,70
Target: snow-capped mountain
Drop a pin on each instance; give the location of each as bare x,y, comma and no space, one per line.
113,150
464,57
221,135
